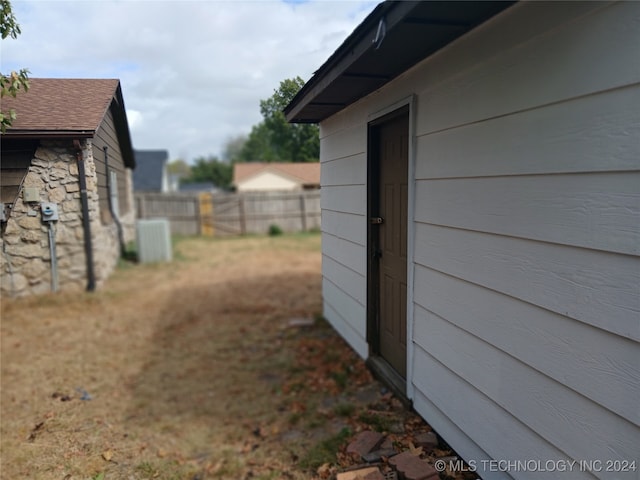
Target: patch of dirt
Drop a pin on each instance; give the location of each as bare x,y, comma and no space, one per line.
217,365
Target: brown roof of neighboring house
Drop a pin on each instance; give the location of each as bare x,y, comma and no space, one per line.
62,104
307,173
69,107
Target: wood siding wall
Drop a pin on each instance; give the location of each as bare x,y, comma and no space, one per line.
107,136
16,158
526,270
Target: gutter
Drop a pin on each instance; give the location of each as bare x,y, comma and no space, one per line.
40,134
114,215
86,224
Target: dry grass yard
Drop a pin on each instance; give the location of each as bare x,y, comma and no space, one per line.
189,370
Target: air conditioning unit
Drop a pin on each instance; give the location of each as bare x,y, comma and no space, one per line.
154,240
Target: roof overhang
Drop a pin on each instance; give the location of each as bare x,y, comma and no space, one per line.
122,128
393,38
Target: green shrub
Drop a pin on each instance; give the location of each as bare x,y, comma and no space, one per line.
275,230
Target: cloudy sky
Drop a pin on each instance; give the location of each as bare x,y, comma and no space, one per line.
193,72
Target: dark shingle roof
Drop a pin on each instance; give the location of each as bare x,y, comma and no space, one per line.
69,107
62,104
147,177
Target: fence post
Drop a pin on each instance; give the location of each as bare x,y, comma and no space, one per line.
303,211
243,220
198,210
205,212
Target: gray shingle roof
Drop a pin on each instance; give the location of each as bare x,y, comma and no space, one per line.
147,177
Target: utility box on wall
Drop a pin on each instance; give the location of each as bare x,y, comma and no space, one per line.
154,240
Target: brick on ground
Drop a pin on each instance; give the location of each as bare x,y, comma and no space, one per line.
427,440
412,467
370,473
376,455
365,442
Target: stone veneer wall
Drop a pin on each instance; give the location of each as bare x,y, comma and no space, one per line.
25,264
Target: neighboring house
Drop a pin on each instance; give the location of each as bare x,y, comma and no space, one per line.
276,176
151,173
68,153
481,223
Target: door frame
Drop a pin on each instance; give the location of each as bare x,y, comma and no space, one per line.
402,387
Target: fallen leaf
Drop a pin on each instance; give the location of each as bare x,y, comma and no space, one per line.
107,455
417,451
324,470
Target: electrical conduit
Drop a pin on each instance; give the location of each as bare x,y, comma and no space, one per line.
86,224
54,258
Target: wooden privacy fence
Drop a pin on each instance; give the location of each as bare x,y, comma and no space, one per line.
232,213
182,210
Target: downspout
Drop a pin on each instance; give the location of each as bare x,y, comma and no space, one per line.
86,224
114,215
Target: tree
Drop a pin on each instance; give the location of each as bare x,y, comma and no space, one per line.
179,168
14,82
233,147
258,146
211,170
275,139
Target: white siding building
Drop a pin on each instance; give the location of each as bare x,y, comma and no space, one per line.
503,268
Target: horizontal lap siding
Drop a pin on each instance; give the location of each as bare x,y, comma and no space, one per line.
586,55
351,170
524,392
345,252
447,395
349,281
343,202
580,284
527,239
107,136
347,316
606,125
570,209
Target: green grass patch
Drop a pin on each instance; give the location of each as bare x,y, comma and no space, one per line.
378,422
341,378
325,451
344,409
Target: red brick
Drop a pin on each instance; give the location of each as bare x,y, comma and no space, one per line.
364,443
371,473
377,475
412,467
427,440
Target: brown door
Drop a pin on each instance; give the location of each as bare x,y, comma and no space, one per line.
388,235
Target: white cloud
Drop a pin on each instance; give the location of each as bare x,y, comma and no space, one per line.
134,118
193,73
